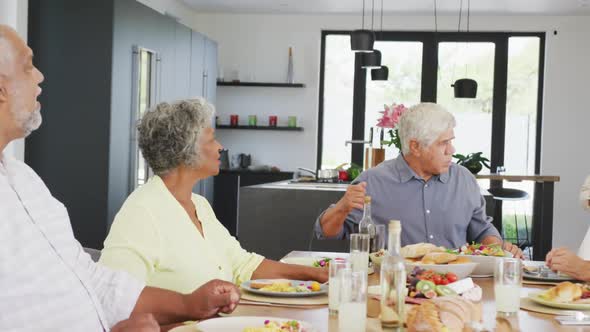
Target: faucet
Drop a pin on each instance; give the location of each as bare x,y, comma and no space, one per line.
360,141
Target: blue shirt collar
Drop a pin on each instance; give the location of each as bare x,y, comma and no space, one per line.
406,173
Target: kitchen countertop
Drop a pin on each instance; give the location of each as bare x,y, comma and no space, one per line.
287,185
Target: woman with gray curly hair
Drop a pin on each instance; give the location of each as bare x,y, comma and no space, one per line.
168,236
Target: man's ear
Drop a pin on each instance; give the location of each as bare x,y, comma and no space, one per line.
3,90
415,149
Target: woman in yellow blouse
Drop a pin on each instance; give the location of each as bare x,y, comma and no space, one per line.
168,236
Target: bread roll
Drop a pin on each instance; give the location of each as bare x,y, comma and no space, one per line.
439,257
419,250
563,293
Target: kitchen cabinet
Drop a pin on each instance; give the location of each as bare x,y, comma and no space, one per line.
227,192
85,150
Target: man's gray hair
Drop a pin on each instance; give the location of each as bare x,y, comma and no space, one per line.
169,134
424,122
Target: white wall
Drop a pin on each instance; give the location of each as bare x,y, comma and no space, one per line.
15,14
257,45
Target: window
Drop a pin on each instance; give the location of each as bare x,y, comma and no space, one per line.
144,97
422,67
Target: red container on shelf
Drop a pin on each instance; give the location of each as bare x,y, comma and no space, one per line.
272,121
233,120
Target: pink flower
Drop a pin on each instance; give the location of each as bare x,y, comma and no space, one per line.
391,115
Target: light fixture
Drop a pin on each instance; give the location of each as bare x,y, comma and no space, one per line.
465,87
380,73
362,40
371,60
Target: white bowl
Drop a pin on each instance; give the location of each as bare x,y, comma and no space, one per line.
485,266
462,270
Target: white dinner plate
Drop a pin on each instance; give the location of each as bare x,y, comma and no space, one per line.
309,261
236,323
570,306
246,286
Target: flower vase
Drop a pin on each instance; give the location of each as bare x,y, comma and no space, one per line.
373,157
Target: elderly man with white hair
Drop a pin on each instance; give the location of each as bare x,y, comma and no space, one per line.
47,281
436,200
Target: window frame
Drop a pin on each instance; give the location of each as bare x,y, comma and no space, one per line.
430,41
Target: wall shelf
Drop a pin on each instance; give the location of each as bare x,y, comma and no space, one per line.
262,84
260,128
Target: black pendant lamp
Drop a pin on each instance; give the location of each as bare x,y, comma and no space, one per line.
380,74
465,87
362,40
371,60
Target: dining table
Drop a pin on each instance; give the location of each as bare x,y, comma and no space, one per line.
321,320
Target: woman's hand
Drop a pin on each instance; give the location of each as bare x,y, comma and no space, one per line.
513,249
565,261
212,298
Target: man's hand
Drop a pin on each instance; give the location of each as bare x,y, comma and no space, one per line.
211,298
565,261
137,323
354,198
513,249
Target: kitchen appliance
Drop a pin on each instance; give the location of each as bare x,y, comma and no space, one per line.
245,160
224,159
322,175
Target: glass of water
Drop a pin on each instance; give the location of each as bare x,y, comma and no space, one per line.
336,268
507,284
359,252
352,312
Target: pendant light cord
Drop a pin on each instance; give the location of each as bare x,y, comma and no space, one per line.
372,14
435,18
363,17
382,16
460,15
468,12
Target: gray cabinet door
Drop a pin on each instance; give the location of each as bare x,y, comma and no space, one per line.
197,64
211,70
182,62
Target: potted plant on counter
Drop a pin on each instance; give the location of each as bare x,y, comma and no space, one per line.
474,162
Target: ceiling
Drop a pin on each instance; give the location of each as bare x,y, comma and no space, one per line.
416,7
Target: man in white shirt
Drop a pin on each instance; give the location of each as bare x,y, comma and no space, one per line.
47,281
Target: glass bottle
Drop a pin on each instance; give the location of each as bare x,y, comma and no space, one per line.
393,280
367,226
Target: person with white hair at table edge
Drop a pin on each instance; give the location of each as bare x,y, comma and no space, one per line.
436,200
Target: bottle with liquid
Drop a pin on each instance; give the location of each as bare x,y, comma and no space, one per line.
290,75
393,280
367,226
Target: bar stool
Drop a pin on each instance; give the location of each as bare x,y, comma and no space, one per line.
511,194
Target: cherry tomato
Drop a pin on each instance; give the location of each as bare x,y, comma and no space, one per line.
444,281
437,279
451,277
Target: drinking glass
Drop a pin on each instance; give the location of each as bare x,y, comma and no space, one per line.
359,252
507,284
336,267
352,312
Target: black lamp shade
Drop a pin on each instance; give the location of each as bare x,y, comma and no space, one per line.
465,88
371,60
380,74
362,40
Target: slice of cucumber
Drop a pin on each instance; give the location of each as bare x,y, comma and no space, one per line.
443,290
424,286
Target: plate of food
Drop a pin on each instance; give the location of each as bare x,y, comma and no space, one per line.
565,295
443,262
284,287
252,324
377,257
309,261
540,272
484,255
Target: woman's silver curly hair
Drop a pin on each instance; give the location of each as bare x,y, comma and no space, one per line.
169,134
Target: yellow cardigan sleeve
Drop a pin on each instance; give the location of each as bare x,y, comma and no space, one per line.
243,263
133,243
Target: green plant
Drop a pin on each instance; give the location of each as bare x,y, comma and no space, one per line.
353,171
474,162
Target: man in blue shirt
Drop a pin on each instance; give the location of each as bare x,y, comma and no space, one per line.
436,200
